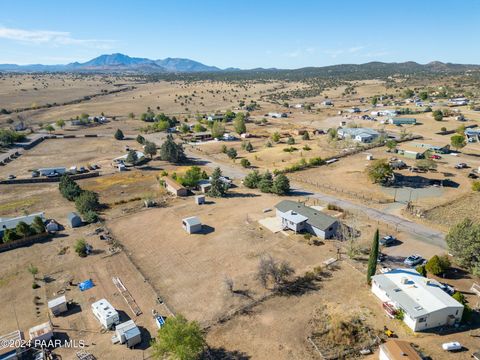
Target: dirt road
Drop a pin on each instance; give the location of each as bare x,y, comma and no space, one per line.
419,231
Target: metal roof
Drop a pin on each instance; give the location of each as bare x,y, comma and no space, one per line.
315,218
415,294
192,221
11,223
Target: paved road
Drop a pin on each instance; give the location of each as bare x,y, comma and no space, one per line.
419,231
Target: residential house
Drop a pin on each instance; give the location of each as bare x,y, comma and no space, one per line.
411,152
41,333
192,225
11,223
395,349
174,187
384,113
422,301
438,149
363,135
402,121
215,117
473,135
53,171
298,217
276,115
202,136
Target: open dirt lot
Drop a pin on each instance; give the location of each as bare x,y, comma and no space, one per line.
189,270
24,307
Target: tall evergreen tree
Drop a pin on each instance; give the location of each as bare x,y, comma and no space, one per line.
218,187
171,151
372,260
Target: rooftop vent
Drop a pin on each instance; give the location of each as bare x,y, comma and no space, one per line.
404,280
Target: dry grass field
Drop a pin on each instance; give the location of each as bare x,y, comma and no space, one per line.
159,259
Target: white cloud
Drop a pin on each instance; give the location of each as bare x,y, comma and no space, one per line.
54,38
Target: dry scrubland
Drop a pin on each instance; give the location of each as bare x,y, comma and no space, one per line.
188,271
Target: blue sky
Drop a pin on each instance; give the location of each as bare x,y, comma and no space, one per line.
245,34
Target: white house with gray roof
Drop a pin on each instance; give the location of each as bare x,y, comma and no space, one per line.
11,223
299,217
363,135
424,304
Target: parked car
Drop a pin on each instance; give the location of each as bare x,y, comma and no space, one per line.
11,177
461,166
387,240
472,175
435,157
381,257
413,260
35,174
452,346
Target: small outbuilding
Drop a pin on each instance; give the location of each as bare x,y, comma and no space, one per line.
200,199
41,333
74,220
52,226
398,350
58,305
127,333
174,187
192,225
105,313
204,185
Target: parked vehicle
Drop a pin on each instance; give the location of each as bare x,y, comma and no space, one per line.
435,157
472,175
413,260
11,177
387,240
381,257
452,346
461,166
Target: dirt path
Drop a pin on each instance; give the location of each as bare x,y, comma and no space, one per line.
419,231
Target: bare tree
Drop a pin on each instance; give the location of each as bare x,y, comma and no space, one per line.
228,283
274,270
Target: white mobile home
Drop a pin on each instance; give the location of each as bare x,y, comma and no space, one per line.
11,223
105,313
127,333
423,301
298,217
363,135
52,171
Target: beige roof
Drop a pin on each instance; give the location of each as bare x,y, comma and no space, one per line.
401,350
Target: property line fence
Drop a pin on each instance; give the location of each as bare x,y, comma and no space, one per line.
49,179
368,198
23,242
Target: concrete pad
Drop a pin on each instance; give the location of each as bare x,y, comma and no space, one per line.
271,223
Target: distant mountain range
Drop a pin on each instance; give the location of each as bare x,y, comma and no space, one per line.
120,63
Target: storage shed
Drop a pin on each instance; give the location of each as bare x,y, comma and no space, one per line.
105,313
200,199
192,225
41,333
58,305
174,187
74,220
127,333
52,226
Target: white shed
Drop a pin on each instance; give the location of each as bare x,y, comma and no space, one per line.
192,225
105,313
58,305
52,226
127,333
200,199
